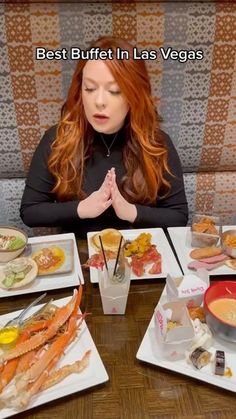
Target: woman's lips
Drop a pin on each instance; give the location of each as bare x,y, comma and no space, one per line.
101,119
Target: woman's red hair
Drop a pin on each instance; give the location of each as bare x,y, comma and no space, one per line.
145,152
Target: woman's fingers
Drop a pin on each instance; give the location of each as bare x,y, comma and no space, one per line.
106,196
106,183
107,203
114,193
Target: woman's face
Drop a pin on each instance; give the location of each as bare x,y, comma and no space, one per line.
104,105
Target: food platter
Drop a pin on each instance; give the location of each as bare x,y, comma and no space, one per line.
61,279
169,263
149,352
93,375
180,237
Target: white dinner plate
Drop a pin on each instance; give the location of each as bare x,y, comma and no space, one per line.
51,282
169,263
93,375
149,352
181,239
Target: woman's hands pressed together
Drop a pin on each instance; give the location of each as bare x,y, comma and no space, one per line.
123,209
108,194
97,202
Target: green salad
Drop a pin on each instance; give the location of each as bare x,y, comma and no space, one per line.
16,243
11,242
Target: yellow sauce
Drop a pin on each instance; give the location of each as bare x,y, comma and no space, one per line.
224,309
8,336
228,372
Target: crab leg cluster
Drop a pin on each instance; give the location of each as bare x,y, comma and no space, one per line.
27,368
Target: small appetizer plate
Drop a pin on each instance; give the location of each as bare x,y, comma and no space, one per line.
150,353
18,273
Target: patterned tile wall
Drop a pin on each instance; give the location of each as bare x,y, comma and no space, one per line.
196,99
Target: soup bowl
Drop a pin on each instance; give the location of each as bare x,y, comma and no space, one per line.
224,328
7,254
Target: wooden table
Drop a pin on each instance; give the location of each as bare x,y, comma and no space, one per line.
135,390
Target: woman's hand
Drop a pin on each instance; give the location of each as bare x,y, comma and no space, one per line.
123,209
97,202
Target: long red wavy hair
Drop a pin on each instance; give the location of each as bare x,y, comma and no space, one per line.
145,153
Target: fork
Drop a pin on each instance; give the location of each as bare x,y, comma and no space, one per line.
38,311
18,320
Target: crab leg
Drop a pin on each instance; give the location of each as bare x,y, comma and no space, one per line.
9,368
39,339
37,384
64,313
54,378
8,373
39,372
35,327
53,353
59,375
25,361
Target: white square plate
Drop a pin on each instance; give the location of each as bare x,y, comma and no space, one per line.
148,352
51,282
93,375
180,237
169,263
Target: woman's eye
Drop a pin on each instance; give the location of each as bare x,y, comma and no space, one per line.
113,92
89,89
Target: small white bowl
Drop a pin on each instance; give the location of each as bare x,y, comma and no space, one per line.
9,254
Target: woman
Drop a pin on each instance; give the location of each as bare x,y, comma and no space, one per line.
107,163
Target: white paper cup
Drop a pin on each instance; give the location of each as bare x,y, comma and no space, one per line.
114,292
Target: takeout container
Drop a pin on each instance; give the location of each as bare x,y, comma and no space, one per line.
7,255
114,294
205,239
173,343
230,251
189,288
221,289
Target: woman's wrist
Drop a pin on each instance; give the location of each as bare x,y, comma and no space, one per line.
132,213
80,210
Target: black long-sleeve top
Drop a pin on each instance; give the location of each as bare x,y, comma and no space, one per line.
40,208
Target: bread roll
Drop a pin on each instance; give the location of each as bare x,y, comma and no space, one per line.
110,240
205,252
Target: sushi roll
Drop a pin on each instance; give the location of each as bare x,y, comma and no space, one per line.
200,357
220,363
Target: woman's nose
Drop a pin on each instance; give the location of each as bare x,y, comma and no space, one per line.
100,99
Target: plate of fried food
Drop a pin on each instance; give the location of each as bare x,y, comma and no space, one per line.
205,230
219,257
53,357
147,250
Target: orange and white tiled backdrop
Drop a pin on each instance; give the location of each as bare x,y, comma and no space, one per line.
196,99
